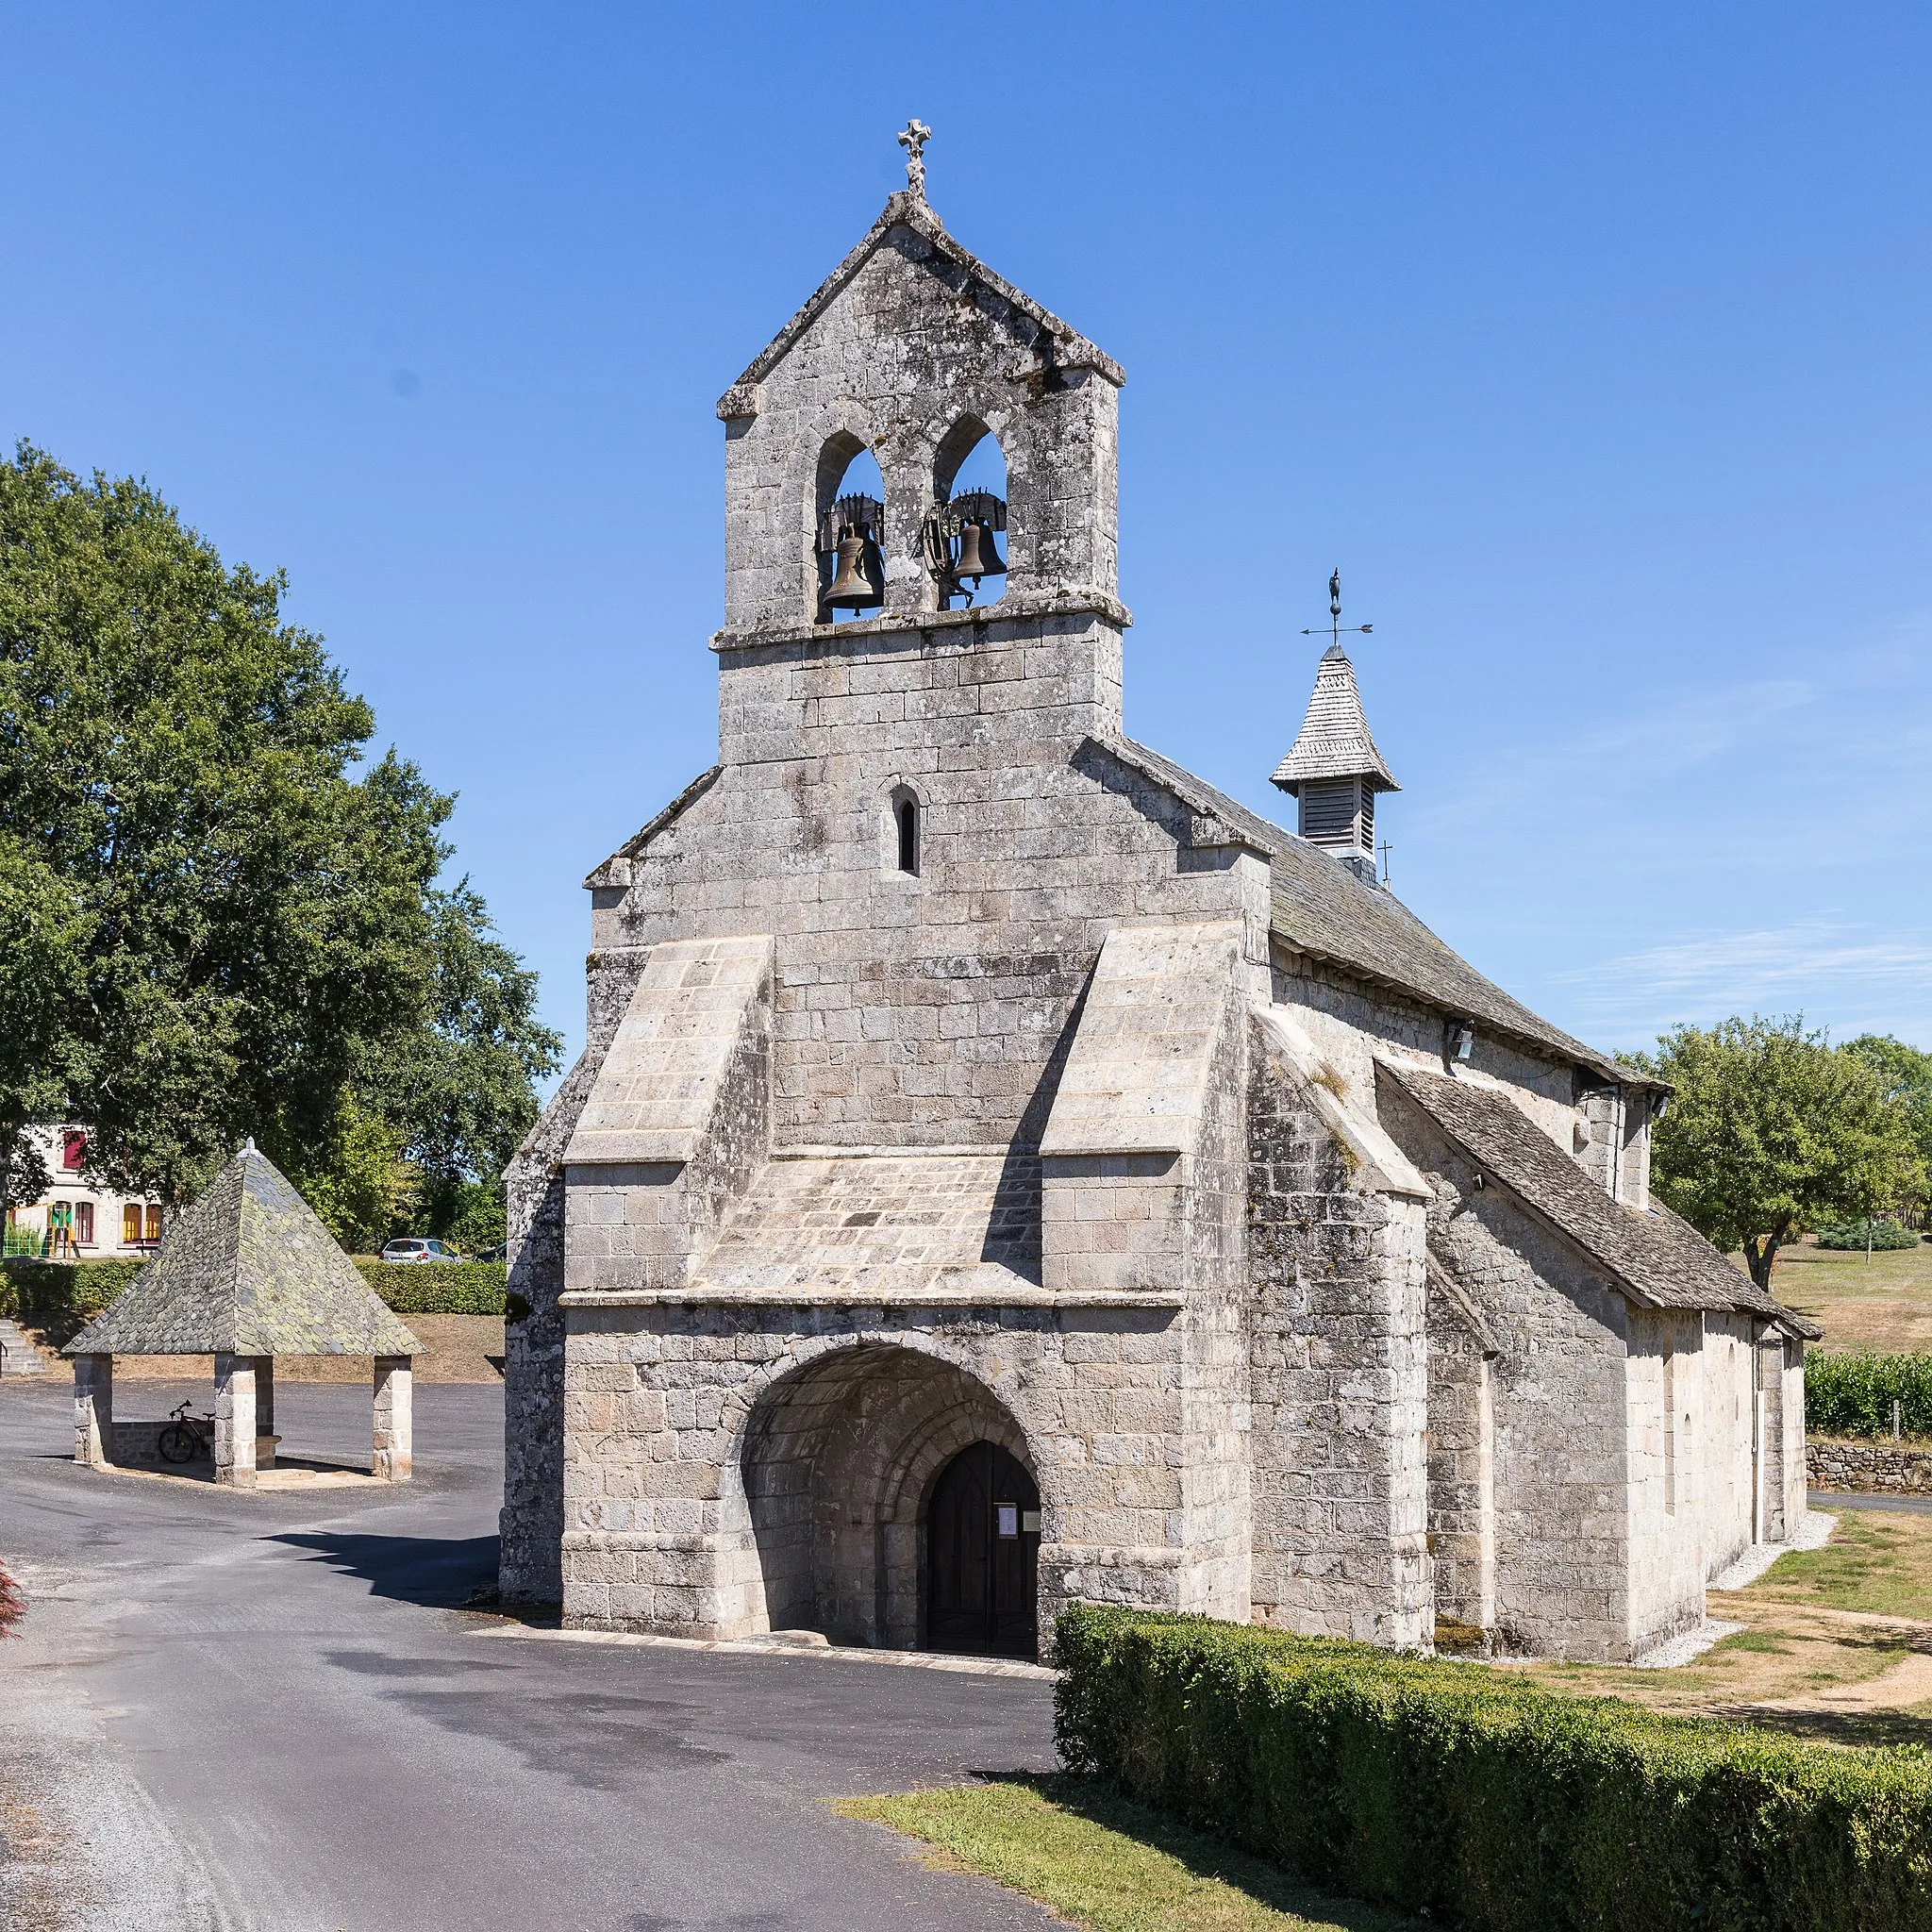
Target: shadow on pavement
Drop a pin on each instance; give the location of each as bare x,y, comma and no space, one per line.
440,1572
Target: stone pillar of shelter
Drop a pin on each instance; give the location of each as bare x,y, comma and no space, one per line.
93,1410
265,1436
394,1456
235,1419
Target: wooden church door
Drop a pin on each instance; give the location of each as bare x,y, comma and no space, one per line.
983,1555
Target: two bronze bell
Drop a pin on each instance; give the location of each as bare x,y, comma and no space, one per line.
960,540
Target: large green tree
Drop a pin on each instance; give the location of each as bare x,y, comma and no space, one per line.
220,921
461,1088
1770,1130
1905,1075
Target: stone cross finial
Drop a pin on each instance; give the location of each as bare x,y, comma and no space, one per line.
913,140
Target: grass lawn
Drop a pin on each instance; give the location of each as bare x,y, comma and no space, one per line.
1101,1861
1883,1306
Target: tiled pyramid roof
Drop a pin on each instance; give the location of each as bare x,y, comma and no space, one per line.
248,1270
1334,741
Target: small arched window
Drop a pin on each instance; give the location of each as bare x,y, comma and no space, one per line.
909,834
902,833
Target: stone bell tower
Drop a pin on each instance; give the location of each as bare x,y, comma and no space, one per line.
914,350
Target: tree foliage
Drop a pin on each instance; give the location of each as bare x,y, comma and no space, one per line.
220,920
462,1086
1770,1130
1905,1074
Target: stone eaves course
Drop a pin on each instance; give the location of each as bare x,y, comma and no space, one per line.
1658,1259
248,1270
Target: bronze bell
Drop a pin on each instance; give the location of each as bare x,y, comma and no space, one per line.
860,568
979,555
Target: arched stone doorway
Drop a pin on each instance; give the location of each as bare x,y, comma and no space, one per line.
982,1542
839,1461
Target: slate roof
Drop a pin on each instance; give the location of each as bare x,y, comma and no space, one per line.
1661,1260
1323,910
1333,740
247,1270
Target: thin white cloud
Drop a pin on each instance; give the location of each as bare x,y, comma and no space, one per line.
1851,977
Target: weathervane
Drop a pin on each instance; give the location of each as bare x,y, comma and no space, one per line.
913,140
1336,627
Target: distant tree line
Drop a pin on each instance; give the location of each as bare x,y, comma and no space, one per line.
217,918
1772,1131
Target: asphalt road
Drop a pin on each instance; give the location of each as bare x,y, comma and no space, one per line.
266,1711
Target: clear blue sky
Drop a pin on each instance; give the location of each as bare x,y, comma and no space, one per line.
1593,344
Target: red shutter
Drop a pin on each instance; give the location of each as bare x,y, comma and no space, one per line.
73,1151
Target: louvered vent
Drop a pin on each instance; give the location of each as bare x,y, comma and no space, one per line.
1328,811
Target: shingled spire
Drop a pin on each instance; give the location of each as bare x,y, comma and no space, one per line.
1334,769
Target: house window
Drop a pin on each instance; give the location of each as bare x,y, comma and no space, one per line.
130,1223
908,835
154,1221
73,1151
84,1222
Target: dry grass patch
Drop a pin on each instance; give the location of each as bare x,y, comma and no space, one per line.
1880,1306
1104,1862
1838,1643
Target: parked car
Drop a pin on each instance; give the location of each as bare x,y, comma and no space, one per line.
502,1248
415,1248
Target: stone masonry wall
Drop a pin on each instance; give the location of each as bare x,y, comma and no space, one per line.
1558,1399
664,1409
1339,1391
1463,1479
1854,1465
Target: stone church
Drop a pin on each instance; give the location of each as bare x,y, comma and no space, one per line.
1004,1170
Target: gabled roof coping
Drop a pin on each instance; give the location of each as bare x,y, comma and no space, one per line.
1064,347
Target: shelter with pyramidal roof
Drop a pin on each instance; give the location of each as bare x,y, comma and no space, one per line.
1005,1170
247,1273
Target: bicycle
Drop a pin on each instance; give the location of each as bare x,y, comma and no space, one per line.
187,1436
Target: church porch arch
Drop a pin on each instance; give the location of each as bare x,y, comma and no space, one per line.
838,1461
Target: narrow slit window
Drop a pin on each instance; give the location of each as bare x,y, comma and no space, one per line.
908,835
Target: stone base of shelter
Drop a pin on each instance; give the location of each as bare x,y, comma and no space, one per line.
244,1444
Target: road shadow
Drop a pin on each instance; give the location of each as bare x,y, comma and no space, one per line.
439,1573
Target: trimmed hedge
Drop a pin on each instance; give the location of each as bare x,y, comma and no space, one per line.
438,1288
1458,1788
45,1288
1884,1234
1851,1394
445,1288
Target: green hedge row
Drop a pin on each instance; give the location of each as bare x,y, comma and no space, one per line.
1884,1233
1458,1789
30,1288
1851,1394
438,1288
44,1287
